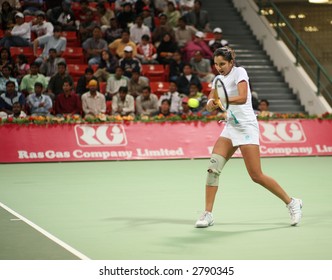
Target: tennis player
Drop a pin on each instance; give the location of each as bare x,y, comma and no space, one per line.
241,132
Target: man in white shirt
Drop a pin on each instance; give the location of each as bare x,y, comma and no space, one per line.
19,36
174,97
116,81
138,29
41,27
93,102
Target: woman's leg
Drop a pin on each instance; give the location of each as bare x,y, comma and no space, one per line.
251,156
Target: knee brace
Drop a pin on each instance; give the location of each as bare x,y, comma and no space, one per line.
217,163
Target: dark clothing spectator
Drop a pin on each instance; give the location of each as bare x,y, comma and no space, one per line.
68,104
56,82
183,83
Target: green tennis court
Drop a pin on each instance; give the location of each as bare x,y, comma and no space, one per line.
139,210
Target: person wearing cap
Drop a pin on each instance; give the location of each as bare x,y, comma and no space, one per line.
184,33
123,104
185,109
94,46
138,29
198,44
40,26
129,63
186,6
118,45
54,41
217,42
19,36
93,102
199,17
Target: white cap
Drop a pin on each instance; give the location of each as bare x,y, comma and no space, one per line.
199,34
128,49
217,30
19,15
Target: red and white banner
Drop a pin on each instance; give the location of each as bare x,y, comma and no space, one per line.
113,141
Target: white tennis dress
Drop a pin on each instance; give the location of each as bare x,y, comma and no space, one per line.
241,126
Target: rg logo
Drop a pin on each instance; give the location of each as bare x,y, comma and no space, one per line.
100,135
278,132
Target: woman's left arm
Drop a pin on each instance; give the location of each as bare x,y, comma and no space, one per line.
242,88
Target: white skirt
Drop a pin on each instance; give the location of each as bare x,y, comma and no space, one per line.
242,134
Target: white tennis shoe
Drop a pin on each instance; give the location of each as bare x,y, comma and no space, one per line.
295,210
205,220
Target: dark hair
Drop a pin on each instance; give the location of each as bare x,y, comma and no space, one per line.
167,101
51,50
184,19
10,82
38,84
61,63
225,52
123,89
34,64
22,57
88,70
147,88
264,100
57,28
146,37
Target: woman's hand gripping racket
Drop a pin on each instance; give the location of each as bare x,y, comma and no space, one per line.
220,95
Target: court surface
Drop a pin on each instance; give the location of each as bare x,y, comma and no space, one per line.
139,210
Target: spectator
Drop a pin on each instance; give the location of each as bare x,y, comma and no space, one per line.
106,67
129,63
218,41
9,97
114,82
126,16
19,36
174,98
164,109
166,49
113,32
94,46
40,26
117,47
195,45
63,16
83,81
68,102
137,83
6,58
85,12
28,81
105,16
202,67
18,112
5,76
146,103
185,109
138,29
146,51
176,66
93,102
148,18
30,7
161,30
184,33
173,14
7,15
264,108
21,68
56,82
198,17
86,28
187,78
55,41
123,104
49,66
39,104
186,6
196,94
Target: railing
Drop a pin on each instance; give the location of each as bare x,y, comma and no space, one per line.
300,50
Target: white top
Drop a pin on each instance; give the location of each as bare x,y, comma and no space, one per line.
136,33
23,30
46,28
243,113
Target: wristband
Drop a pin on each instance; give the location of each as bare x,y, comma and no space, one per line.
211,99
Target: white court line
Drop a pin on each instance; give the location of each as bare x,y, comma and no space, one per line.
47,234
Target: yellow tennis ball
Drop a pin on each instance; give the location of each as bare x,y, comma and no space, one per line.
193,103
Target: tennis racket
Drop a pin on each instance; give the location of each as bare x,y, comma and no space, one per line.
220,95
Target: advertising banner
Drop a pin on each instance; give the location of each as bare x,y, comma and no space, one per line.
137,141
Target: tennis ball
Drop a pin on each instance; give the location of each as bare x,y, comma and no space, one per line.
193,103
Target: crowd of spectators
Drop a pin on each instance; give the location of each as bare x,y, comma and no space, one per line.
117,39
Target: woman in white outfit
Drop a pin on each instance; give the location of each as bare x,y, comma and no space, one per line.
241,132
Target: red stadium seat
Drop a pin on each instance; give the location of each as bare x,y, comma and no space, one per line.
102,87
108,107
72,39
73,55
206,87
76,70
159,88
155,72
27,51
208,36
